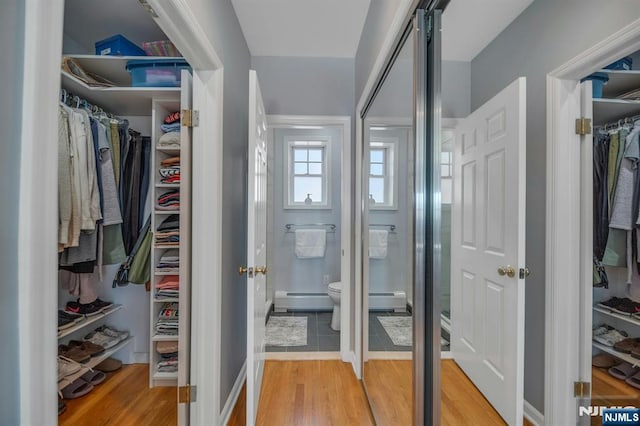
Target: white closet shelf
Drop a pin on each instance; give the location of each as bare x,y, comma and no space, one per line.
607,111
165,376
163,273
168,150
620,355
167,185
88,321
165,338
159,247
172,300
118,100
621,82
167,212
94,361
625,318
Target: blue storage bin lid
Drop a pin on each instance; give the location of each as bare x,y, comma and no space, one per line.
601,76
141,63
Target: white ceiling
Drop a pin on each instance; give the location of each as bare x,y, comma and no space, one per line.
468,26
332,28
327,28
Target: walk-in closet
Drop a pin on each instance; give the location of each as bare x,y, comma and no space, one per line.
614,186
124,196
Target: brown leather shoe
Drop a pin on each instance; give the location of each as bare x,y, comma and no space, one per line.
91,348
627,345
75,353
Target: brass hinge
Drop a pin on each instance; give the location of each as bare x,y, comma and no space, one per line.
581,389
186,394
583,126
190,117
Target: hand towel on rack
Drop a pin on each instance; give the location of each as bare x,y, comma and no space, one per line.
378,243
310,243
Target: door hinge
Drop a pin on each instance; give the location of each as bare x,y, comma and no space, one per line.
581,389
524,272
190,117
583,126
186,394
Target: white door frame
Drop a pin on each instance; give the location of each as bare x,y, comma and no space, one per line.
563,231
38,200
346,265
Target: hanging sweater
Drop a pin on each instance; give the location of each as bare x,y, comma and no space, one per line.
64,181
74,156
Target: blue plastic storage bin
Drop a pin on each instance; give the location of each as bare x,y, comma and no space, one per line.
118,45
623,64
598,80
158,73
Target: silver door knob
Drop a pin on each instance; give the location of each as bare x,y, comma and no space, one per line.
507,270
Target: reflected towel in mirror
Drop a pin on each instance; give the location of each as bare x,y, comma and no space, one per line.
378,243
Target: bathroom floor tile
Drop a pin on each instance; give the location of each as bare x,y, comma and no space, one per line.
324,325
329,343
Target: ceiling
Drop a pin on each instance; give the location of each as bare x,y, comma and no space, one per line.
312,28
468,26
126,17
332,28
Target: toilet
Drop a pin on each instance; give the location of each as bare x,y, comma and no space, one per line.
335,289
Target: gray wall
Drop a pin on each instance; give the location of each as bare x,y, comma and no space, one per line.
11,33
219,21
306,86
288,273
543,37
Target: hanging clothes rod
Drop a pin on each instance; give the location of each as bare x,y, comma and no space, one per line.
72,100
290,227
392,228
621,122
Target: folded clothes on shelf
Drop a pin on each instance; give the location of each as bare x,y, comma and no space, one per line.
167,327
167,294
173,127
169,261
168,311
169,282
169,200
168,365
169,140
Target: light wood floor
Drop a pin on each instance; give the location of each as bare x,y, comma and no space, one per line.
124,399
294,393
609,391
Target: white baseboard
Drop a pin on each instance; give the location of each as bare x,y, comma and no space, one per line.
140,358
302,356
532,414
446,355
233,395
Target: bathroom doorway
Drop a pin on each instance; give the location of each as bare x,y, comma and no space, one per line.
308,238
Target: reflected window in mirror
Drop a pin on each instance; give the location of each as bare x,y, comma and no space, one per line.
382,171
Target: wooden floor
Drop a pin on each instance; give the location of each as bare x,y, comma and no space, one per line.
608,391
124,399
299,393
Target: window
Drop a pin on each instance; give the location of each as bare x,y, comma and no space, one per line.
382,168
446,166
308,171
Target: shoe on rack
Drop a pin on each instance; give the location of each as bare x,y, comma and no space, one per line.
67,367
601,329
88,309
91,348
611,337
112,332
102,305
609,304
76,389
626,307
94,377
62,407
64,322
101,339
109,365
76,354
627,346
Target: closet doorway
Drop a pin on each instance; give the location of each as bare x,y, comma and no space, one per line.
172,19
589,262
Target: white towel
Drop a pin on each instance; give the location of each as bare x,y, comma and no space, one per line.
378,243
310,243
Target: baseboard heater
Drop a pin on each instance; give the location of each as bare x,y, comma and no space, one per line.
288,300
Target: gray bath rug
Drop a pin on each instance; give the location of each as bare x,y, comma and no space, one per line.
286,331
399,329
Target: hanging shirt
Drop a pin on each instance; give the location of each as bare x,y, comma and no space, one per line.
623,215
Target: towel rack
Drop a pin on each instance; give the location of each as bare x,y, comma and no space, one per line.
392,228
290,227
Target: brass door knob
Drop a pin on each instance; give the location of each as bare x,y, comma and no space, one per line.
261,270
507,270
243,270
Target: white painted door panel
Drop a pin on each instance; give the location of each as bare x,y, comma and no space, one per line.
488,232
256,246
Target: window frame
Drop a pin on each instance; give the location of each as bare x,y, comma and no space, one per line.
324,143
390,146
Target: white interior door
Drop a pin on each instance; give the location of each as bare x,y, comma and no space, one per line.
488,249
184,326
256,246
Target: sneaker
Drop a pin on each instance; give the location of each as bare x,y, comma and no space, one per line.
64,322
67,367
602,329
75,353
112,332
626,307
102,305
611,303
101,339
88,309
91,348
611,337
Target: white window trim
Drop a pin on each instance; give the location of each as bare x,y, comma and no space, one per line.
391,145
325,143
